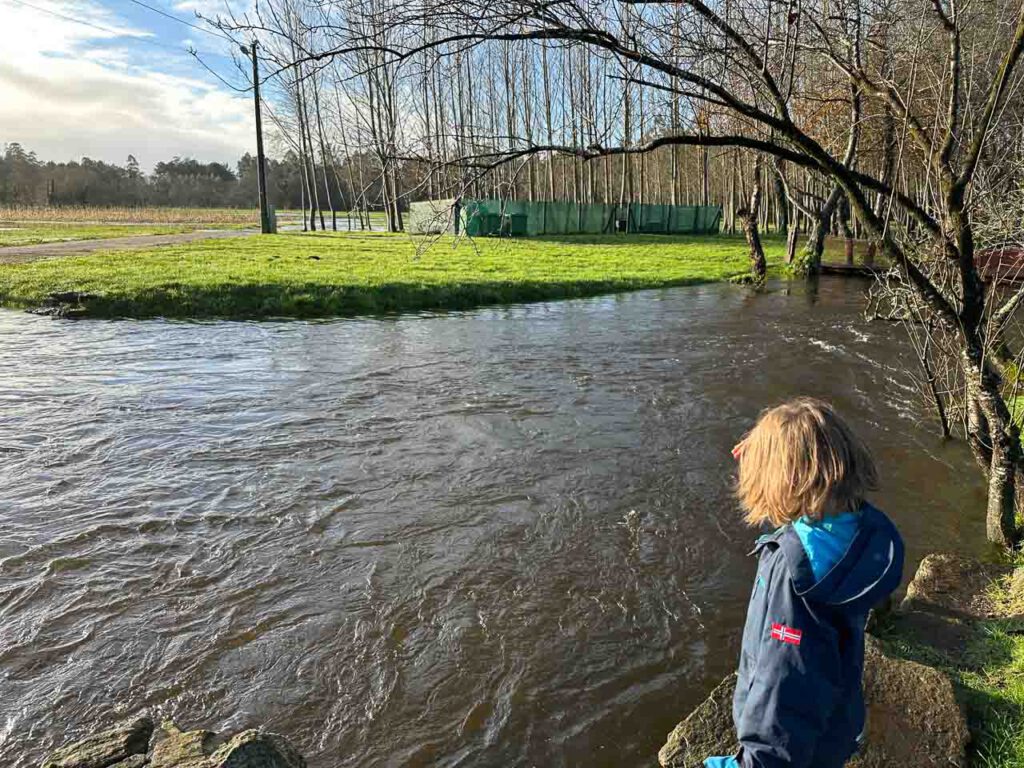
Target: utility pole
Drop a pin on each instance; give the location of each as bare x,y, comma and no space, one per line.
261,173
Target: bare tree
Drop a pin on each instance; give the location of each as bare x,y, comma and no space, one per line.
892,108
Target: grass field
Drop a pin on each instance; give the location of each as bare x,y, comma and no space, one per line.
325,274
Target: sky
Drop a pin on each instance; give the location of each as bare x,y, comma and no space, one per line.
114,78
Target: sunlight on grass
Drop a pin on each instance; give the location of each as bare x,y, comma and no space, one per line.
995,684
997,696
327,274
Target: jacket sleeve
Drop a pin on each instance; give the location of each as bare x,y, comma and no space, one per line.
795,684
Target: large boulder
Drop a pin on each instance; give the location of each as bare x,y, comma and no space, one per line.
946,599
914,720
952,585
106,748
708,730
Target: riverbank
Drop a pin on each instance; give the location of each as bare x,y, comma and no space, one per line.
309,275
966,619
943,683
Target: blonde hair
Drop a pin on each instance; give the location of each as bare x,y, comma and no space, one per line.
802,460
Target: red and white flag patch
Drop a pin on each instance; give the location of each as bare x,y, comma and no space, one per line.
786,634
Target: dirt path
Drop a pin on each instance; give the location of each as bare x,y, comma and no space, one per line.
21,254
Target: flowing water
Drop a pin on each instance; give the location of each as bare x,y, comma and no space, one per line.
502,537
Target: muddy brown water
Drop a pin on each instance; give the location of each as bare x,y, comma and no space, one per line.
501,537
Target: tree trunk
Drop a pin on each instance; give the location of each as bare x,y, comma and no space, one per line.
819,230
781,205
844,223
748,215
1004,457
792,238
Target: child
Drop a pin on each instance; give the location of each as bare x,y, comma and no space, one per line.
798,700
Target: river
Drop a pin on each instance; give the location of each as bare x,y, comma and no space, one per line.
499,537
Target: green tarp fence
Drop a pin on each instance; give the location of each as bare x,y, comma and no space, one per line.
518,218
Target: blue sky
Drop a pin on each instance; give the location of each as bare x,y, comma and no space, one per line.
120,83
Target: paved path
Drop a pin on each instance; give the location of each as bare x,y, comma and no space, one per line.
21,254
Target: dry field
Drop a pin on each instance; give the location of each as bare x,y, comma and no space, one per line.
127,216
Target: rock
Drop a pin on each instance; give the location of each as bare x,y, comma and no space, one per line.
257,749
64,304
104,749
952,585
182,749
945,599
708,730
126,747
914,720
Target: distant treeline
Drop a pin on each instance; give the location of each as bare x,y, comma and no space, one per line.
184,182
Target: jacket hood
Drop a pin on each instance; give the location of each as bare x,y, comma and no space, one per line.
868,571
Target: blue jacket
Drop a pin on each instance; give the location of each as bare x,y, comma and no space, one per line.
798,701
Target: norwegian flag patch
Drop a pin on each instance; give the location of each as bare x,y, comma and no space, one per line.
786,634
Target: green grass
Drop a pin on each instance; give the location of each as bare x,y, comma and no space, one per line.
326,274
995,696
31,234
993,681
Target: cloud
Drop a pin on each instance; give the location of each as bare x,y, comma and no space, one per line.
208,8
96,89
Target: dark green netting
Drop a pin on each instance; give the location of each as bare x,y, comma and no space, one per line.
520,217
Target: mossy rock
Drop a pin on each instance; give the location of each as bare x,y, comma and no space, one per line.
182,749
257,749
204,749
106,748
708,730
127,746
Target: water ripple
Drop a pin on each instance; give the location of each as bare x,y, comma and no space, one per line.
493,537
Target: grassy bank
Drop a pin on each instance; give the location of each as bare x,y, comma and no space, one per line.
987,668
324,274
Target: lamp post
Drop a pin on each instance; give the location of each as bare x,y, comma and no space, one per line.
261,173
